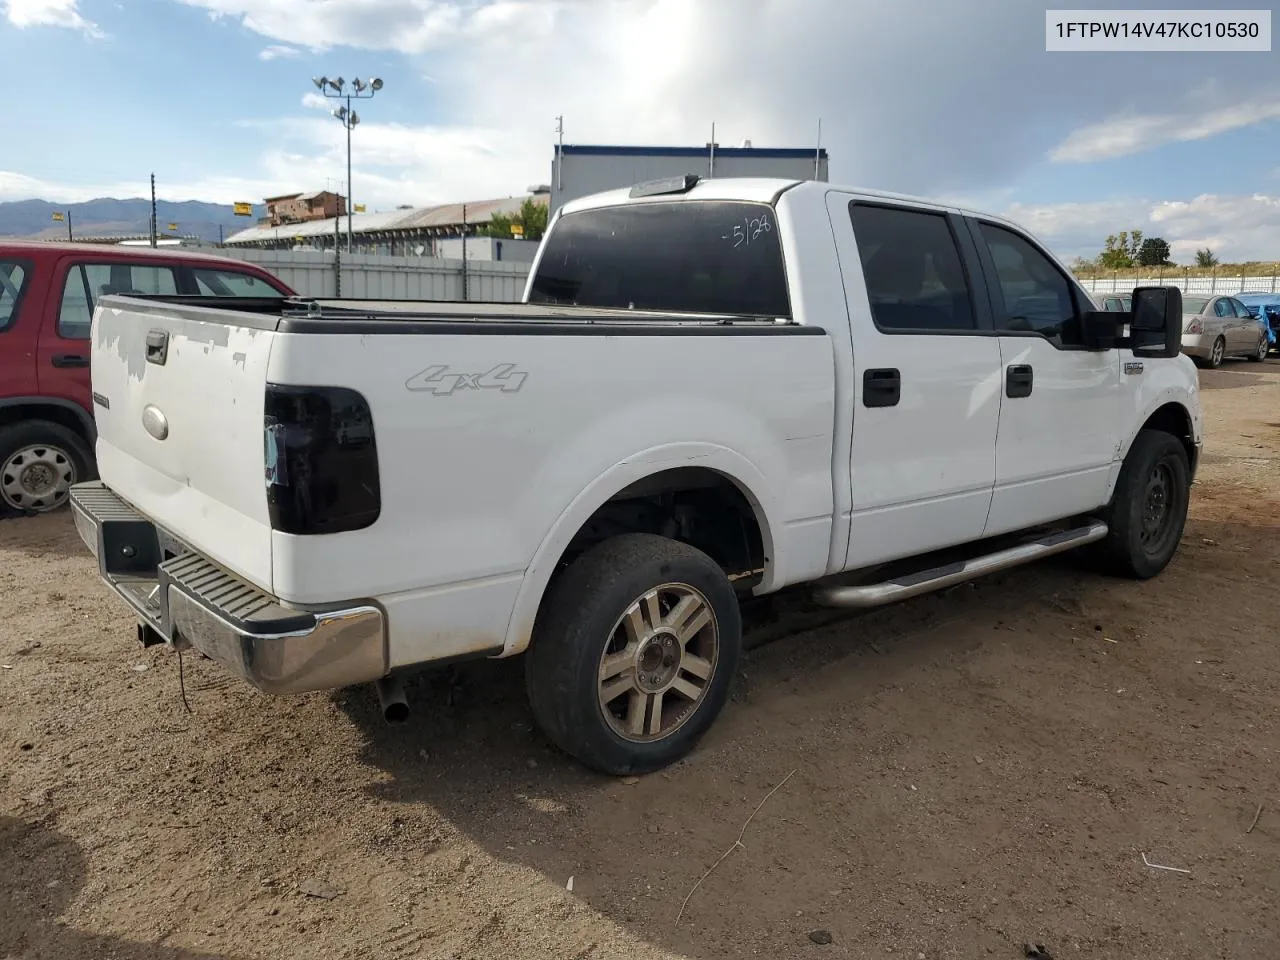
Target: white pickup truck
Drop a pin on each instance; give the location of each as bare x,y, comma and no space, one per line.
713,390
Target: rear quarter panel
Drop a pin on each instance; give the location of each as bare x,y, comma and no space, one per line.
482,487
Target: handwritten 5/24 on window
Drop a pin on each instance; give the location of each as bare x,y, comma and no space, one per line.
751,228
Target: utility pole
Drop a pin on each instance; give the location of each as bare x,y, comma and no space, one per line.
349,123
360,90
711,160
153,209
817,153
337,256
466,290
559,151
69,237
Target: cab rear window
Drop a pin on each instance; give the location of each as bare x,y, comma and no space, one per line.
13,278
693,256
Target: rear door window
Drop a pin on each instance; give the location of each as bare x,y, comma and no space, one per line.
915,277
231,283
13,278
86,282
693,256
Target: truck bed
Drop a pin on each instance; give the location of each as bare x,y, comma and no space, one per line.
494,431
307,315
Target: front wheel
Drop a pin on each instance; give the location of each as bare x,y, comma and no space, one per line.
1264,347
1148,512
633,653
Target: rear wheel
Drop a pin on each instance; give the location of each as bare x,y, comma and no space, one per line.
1148,512
39,462
633,654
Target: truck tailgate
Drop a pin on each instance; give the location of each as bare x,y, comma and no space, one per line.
179,407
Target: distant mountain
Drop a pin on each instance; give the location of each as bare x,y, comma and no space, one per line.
111,217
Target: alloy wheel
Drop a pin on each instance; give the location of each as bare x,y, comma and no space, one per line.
37,478
658,663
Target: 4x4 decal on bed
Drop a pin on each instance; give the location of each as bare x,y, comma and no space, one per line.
435,379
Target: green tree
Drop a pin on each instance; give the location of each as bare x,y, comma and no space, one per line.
1206,258
532,220
1121,250
1154,252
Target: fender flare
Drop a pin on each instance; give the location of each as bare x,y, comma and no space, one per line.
740,471
1172,394
83,416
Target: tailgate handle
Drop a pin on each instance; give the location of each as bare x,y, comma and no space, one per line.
158,347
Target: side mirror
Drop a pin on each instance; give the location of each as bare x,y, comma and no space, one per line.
1155,329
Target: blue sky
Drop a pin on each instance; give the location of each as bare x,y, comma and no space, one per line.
953,100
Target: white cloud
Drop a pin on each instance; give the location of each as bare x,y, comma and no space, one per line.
1237,228
279,51
901,87
905,91
49,13
1126,134
407,26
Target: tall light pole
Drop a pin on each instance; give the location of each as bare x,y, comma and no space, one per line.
337,89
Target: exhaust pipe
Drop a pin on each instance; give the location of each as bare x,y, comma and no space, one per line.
395,707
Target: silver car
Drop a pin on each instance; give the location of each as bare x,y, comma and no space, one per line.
1214,328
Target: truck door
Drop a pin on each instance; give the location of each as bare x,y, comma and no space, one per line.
1060,411
926,384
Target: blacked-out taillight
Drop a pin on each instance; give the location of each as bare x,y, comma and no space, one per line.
321,460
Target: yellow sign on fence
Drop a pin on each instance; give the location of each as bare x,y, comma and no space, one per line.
517,230
359,208
242,209
57,217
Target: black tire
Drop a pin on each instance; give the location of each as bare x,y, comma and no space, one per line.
1138,545
1217,353
1261,353
581,619
60,451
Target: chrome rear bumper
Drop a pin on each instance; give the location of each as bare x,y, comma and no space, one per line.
191,602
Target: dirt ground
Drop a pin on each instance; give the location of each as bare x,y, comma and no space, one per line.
968,773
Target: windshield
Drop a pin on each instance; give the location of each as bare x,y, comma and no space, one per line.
689,256
1194,304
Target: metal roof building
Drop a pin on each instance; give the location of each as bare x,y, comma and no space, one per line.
405,232
581,170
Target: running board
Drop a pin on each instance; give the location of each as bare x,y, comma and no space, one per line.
939,578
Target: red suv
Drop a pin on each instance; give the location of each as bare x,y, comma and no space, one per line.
47,295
